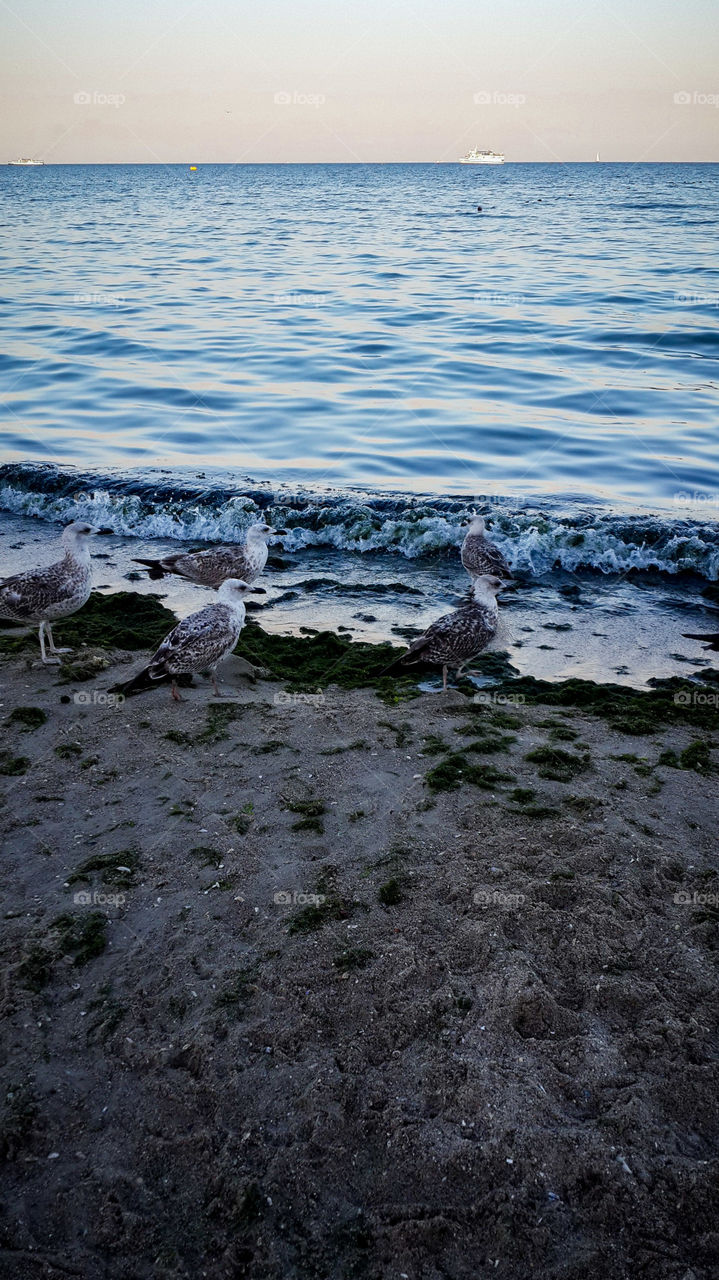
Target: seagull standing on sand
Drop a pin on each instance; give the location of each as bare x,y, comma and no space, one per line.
44,595
213,567
198,643
457,637
480,556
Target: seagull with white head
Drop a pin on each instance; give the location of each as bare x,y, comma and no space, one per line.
457,637
199,642
42,596
479,553
210,568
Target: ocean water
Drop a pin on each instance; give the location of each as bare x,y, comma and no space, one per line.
357,351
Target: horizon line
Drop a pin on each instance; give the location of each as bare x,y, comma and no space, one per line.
149,164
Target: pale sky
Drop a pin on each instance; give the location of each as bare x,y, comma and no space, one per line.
87,81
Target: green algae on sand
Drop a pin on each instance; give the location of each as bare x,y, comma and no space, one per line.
124,620
27,718
309,663
455,770
631,711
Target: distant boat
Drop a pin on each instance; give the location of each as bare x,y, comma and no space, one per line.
482,157
27,163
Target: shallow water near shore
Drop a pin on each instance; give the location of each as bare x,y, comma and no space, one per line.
357,354
618,629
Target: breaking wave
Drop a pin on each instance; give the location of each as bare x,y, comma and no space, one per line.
534,538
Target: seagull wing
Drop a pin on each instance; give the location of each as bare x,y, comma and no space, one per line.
23,595
479,555
198,641
437,631
210,568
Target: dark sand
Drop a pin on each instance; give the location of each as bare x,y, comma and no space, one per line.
489,1050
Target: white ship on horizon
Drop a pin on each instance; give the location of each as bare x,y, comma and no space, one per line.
482,157
26,162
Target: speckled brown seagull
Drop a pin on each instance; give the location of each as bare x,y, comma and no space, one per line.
457,637
45,595
198,643
480,555
212,567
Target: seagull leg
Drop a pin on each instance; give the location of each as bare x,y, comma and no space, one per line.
48,661
213,677
175,695
53,648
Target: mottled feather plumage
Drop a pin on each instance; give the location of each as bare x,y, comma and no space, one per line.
198,643
47,594
457,637
480,555
44,595
212,567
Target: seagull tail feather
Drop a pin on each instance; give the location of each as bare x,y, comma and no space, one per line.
414,651
156,569
712,638
143,680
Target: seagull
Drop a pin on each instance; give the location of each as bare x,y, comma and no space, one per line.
711,637
198,643
44,595
479,555
457,637
212,567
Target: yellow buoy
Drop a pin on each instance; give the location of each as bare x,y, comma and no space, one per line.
193,168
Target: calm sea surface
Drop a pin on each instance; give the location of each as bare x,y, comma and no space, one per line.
364,325
356,352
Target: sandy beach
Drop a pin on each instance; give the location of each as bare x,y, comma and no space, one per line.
332,981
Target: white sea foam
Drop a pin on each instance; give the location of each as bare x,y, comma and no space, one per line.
533,542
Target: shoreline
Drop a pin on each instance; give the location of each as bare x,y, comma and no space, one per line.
625,629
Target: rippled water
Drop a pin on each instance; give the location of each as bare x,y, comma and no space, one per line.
364,325
357,353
